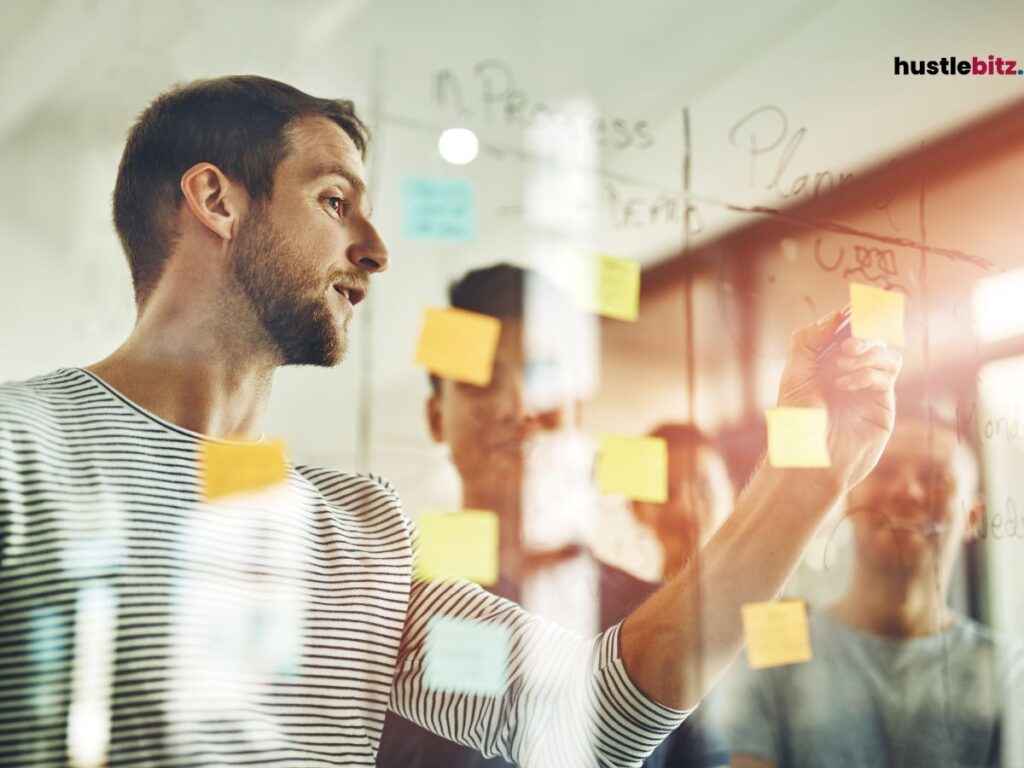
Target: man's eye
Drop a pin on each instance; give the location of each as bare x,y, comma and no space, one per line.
339,204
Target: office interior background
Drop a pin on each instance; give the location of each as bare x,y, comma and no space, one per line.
753,158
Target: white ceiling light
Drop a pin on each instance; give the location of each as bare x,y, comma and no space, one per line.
458,146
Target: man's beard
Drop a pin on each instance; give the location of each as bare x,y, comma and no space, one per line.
291,305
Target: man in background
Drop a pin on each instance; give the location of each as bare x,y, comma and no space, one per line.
898,677
495,434
531,406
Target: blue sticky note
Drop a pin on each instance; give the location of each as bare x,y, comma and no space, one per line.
50,638
438,209
465,656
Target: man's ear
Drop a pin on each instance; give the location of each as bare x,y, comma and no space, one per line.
214,200
975,520
435,417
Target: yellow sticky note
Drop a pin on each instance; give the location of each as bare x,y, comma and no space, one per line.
229,468
798,437
617,287
465,656
877,314
458,544
460,345
636,467
776,633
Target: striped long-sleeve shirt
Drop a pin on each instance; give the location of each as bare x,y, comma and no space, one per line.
141,622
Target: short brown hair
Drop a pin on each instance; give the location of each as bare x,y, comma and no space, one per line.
236,123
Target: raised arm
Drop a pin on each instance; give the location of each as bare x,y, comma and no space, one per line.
677,644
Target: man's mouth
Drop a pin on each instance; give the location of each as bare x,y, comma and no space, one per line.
909,519
512,447
915,524
352,294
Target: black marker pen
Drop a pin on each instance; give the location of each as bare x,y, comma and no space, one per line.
841,334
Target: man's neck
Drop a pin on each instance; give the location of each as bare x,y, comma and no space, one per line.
894,605
187,379
210,400
506,503
503,497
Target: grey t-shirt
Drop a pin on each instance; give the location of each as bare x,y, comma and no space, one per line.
865,700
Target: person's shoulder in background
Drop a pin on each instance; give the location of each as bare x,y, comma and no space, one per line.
620,593
754,707
1006,655
697,743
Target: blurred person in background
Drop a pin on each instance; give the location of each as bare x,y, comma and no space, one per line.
640,552
493,432
645,543
898,677
516,446
516,443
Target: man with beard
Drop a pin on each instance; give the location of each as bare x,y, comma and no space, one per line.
241,204
898,677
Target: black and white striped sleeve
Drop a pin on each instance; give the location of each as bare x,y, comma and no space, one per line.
566,701
9,477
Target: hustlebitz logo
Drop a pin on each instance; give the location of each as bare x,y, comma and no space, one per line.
950,65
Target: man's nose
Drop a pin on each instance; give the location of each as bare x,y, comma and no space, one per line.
518,407
515,406
368,252
910,484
